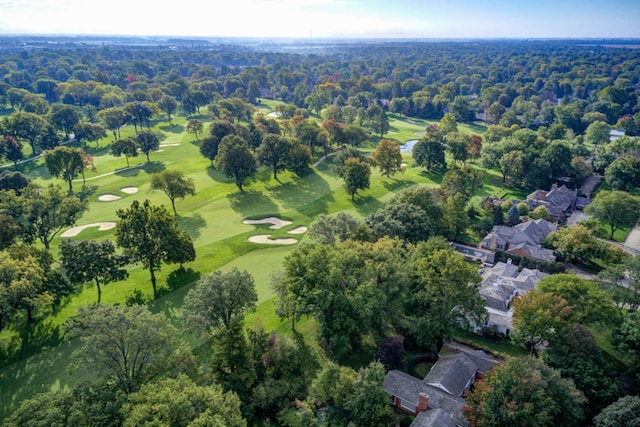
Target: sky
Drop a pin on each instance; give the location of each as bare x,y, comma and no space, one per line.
304,19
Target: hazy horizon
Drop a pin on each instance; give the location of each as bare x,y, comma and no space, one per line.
322,19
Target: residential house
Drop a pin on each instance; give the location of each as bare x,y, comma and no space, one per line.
437,400
615,134
522,239
559,201
500,285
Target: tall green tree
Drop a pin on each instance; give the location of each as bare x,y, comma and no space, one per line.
168,104
357,175
113,119
126,147
444,296
65,163
369,405
219,299
273,152
235,160
538,317
209,147
617,209
89,260
127,345
387,157
527,393
195,127
429,152
48,212
89,132
26,126
147,234
64,117
180,402
625,412
174,184
147,142
11,150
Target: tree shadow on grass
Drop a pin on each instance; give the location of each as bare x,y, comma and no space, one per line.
251,203
192,224
366,204
216,174
312,189
396,184
32,338
172,128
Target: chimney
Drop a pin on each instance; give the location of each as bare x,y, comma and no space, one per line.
423,402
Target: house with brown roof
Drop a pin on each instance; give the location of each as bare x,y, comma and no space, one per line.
438,399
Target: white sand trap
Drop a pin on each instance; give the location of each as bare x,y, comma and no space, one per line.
299,230
275,222
274,115
158,151
264,238
404,165
108,197
102,226
174,144
129,190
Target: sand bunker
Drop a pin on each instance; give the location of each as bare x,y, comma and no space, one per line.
102,226
275,114
129,190
158,151
108,197
174,144
275,222
404,165
299,230
264,238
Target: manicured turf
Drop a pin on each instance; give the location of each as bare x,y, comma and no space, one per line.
213,218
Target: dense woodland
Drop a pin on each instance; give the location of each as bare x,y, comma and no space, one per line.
370,289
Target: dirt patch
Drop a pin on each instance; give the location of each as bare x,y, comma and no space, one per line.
129,190
264,238
298,230
108,197
276,223
102,226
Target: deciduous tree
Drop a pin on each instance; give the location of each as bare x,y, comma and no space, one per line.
357,174
65,163
89,260
147,142
174,184
617,209
273,152
387,157
126,147
195,127
147,234
235,160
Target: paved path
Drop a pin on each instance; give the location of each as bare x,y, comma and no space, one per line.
633,239
322,159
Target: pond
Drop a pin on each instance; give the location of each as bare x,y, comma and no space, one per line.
407,147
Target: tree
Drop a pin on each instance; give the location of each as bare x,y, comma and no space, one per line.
174,184
180,402
147,234
273,152
627,339
445,296
369,405
617,209
456,219
575,243
11,150
87,260
588,302
332,229
513,216
380,123
235,160
64,117
597,133
338,161
448,124
429,152
538,317
168,104
457,145
147,142
299,158
387,157
524,392
209,147
195,127
625,412
27,126
21,287
113,119
219,299
354,135
357,174
126,147
89,132
65,163
540,212
48,212
623,173
127,345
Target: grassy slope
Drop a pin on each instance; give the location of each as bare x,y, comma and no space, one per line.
213,219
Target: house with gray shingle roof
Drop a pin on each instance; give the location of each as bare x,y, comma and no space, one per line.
560,201
522,239
437,400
